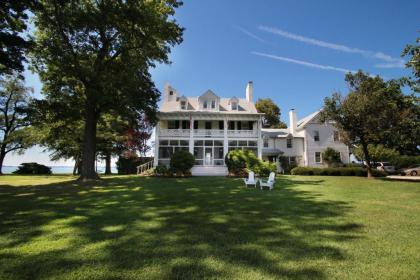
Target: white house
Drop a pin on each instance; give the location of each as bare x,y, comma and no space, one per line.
303,142
208,126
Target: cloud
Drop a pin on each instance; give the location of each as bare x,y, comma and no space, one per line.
393,62
304,63
252,35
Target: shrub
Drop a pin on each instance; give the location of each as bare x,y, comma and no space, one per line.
128,165
331,157
404,161
264,168
336,171
161,170
285,165
32,168
182,162
239,160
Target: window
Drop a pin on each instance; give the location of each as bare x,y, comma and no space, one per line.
171,92
213,104
183,105
195,124
234,106
205,105
336,136
316,135
243,145
265,142
168,148
231,125
318,157
289,143
292,160
185,124
173,124
221,125
208,125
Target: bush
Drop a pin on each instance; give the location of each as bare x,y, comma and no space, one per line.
161,170
331,157
182,162
32,168
404,161
285,165
264,168
128,165
237,161
336,171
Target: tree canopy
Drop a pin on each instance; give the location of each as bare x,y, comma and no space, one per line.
272,113
96,55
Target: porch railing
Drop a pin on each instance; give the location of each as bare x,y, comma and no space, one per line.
144,167
207,133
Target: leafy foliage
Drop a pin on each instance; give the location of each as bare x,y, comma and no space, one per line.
374,112
13,22
96,55
239,162
331,157
404,161
14,102
377,153
32,168
272,113
182,162
129,165
335,171
285,164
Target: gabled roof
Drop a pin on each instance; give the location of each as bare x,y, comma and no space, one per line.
208,94
303,122
233,99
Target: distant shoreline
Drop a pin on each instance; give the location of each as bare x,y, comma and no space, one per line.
8,169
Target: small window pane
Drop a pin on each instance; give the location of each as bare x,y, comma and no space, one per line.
218,153
198,152
198,143
198,162
163,142
252,143
208,143
289,143
184,143
233,143
218,143
219,162
242,143
173,142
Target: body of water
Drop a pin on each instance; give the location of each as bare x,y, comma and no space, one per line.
58,169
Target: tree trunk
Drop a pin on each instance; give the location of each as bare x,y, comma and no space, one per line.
88,171
368,163
76,168
2,156
108,164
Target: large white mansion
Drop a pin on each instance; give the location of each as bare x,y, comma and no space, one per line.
209,127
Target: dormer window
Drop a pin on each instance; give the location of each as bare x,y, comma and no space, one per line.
213,104
205,105
233,102
171,92
183,105
234,106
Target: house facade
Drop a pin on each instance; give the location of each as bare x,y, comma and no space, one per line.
209,126
303,142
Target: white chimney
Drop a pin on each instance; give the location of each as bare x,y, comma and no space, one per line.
169,93
249,91
293,121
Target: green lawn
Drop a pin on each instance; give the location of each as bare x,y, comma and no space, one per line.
155,228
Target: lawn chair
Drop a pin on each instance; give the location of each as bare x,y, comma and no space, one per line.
269,183
251,180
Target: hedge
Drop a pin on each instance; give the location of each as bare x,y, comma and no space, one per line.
336,171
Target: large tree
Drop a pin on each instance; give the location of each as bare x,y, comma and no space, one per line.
13,23
98,54
272,113
14,100
368,114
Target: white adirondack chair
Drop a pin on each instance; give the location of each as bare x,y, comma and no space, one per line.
251,180
269,183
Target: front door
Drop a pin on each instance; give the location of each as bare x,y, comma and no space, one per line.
208,156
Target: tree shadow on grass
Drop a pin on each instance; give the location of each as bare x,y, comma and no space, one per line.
131,227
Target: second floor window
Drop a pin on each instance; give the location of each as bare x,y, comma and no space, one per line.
265,142
316,135
336,136
183,105
289,143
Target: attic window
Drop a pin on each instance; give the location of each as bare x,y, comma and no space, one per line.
205,105
213,104
234,105
183,105
171,92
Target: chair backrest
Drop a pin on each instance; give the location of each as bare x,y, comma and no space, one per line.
272,177
251,176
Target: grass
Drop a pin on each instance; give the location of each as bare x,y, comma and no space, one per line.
126,227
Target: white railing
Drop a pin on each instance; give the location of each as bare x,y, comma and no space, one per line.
242,133
175,132
144,167
209,132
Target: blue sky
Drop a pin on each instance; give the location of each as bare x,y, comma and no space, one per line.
295,52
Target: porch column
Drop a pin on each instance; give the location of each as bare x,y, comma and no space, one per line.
260,142
156,153
225,137
191,144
